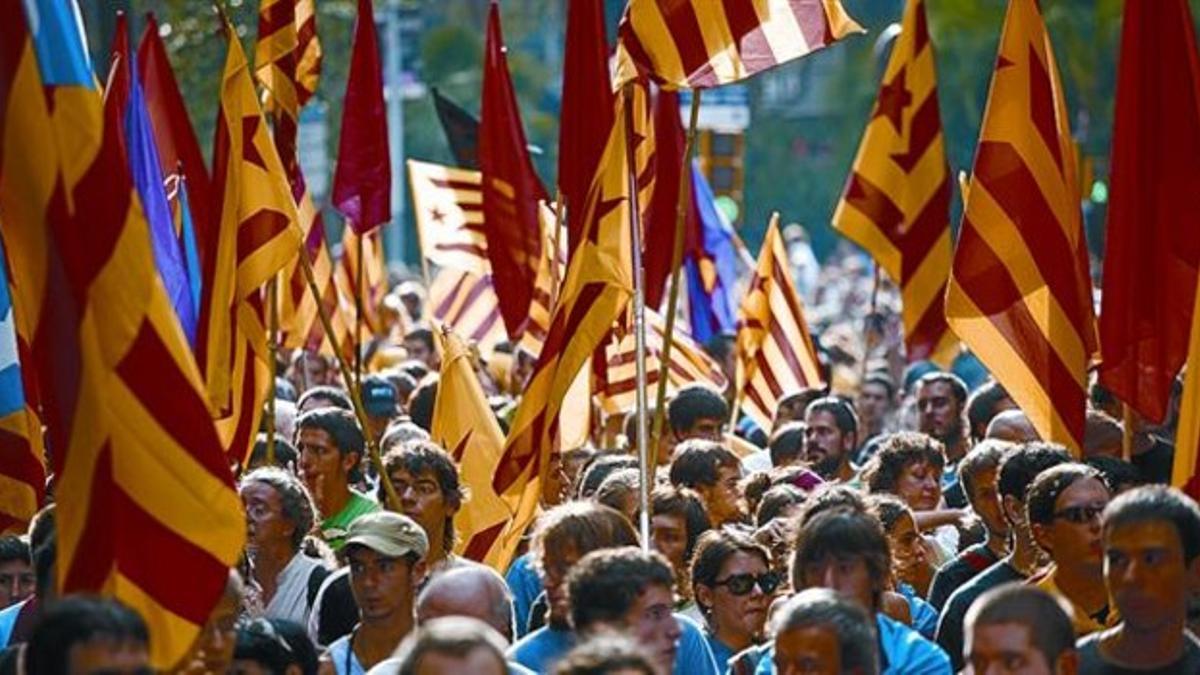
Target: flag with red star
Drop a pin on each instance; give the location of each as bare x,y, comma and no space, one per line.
896,203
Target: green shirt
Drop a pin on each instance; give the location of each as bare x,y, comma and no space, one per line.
334,528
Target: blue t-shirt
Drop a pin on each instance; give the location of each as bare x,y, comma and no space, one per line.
902,652
525,585
8,621
720,651
924,616
542,649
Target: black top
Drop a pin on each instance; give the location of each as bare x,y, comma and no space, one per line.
1092,662
950,627
972,561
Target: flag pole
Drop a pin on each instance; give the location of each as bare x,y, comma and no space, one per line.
273,356
358,310
639,324
684,203
867,331
555,242
355,395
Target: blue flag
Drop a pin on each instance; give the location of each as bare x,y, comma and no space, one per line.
187,234
711,266
148,179
12,392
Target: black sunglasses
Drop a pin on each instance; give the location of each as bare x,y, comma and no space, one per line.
743,584
1080,515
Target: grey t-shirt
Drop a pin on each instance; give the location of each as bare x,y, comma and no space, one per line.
1092,662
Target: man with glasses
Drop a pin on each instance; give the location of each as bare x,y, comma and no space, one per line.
1064,507
733,585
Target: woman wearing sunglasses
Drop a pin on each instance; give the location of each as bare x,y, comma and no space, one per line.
733,585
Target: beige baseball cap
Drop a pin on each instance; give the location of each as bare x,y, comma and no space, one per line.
388,533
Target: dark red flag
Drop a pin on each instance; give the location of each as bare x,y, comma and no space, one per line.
587,108
362,182
511,188
173,134
669,140
1154,214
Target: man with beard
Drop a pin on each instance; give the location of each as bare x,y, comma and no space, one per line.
831,437
1152,568
1064,506
978,473
941,401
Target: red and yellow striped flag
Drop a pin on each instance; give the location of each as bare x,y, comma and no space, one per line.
551,271
704,43
308,50
689,363
1185,474
596,290
22,452
465,426
775,354
896,204
257,234
146,509
346,277
1020,295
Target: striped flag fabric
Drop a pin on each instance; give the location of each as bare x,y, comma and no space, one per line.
374,278
551,271
448,210
597,287
775,354
1020,294
465,426
689,363
706,44
256,236
308,50
1153,231
896,203
711,266
144,496
22,456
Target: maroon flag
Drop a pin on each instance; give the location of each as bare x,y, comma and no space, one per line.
669,141
511,187
587,108
178,149
1154,215
362,182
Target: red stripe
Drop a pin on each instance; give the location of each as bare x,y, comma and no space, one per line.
748,36
921,339
767,374
481,286
780,276
925,127
481,542
684,27
249,415
278,16
120,533
790,357
159,384
258,231
486,327
875,204
921,30
755,395
472,249
444,306
1002,171
18,461
469,186
925,232
984,277
1041,106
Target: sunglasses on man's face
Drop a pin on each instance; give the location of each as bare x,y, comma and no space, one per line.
1080,515
743,584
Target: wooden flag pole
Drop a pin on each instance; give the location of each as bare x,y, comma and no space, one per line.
273,358
639,324
358,310
684,203
355,395
867,331
555,243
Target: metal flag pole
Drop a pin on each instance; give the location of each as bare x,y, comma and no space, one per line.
272,351
639,324
684,202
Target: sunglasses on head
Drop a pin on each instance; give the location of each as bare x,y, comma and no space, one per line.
1080,515
743,584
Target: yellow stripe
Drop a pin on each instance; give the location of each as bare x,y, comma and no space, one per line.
1187,436
994,350
656,39
1001,234
928,282
723,57
172,635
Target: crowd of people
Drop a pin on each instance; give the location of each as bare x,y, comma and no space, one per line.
897,521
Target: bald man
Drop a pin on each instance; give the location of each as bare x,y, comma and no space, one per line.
1012,426
472,590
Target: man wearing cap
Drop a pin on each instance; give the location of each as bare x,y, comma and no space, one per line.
379,400
385,552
